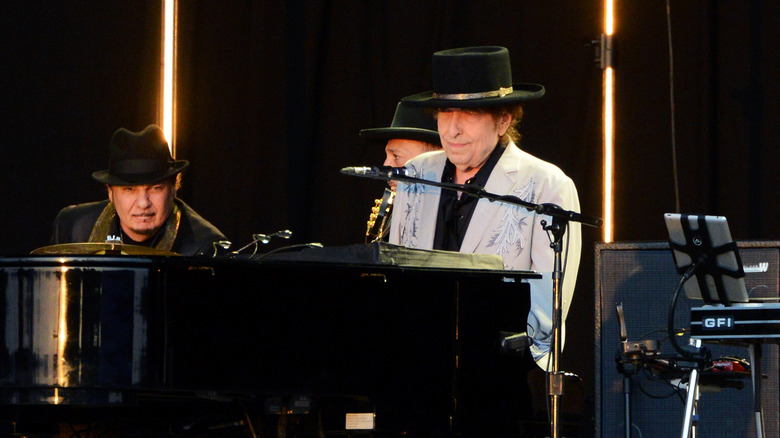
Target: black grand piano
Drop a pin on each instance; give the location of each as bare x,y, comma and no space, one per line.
366,340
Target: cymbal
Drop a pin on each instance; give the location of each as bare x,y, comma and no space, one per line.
85,248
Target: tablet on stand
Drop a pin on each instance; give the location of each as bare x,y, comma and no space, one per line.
718,276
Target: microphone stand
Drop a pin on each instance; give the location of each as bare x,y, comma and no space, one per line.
560,221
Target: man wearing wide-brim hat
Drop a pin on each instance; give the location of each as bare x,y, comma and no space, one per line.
142,208
412,132
478,109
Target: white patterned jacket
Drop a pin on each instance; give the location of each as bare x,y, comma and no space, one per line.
501,228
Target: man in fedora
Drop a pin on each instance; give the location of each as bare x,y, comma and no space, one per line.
142,209
412,132
478,108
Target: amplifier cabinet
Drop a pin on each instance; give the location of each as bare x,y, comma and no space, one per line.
642,276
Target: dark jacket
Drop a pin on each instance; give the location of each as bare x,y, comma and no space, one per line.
196,235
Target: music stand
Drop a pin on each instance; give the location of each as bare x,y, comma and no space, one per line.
703,250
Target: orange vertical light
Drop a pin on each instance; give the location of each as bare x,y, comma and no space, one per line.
168,104
609,118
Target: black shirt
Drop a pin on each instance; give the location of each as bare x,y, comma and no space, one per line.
455,213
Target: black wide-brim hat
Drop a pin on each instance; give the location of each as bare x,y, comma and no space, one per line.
408,123
137,158
474,77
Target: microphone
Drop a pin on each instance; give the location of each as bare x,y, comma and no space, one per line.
378,172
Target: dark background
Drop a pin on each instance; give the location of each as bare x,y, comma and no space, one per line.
272,95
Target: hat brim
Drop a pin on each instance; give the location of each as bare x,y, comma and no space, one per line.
521,93
104,177
387,134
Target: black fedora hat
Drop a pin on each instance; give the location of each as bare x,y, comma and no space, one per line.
474,77
408,123
139,158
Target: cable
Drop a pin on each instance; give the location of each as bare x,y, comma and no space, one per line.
646,335
687,354
671,105
653,378
285,248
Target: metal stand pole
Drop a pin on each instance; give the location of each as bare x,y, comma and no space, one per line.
627,405
690,420
755,353
555,376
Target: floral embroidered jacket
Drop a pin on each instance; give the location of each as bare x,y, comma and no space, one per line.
510,231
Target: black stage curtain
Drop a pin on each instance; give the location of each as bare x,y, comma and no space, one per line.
725,101
71,74
272,95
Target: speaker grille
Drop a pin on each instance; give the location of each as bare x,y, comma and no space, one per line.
642,277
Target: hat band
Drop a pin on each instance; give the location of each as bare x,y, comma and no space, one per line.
501,92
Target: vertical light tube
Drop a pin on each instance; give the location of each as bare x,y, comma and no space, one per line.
609,117
168,103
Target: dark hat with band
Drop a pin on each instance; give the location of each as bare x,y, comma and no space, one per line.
139,158
408,123
474,77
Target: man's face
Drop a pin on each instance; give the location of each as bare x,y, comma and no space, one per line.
469,136
142,209
398,151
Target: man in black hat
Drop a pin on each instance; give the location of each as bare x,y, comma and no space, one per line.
411,133
478,109
142,209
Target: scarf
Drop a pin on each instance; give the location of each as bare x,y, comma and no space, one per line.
165,236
